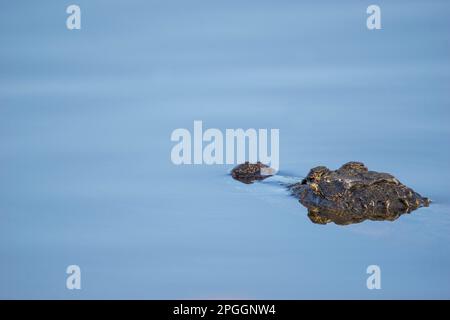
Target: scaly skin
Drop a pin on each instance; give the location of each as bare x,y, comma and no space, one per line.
249,172
348,195
353,194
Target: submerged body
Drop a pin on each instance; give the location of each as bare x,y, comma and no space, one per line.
352,194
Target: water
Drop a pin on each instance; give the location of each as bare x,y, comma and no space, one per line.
85,123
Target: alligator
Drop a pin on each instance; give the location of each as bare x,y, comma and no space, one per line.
350,194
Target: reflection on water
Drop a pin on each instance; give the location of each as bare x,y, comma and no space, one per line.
324,216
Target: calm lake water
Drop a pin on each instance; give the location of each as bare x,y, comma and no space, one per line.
86,176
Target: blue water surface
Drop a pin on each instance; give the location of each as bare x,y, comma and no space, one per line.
86,176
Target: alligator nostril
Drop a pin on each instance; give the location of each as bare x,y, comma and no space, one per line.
249,172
